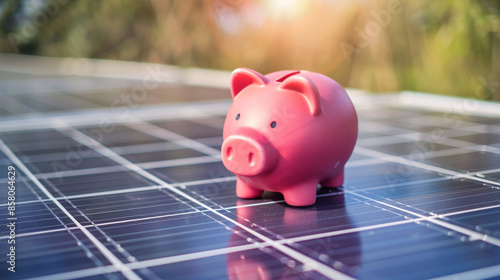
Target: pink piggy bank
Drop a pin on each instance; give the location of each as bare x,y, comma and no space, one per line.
286,132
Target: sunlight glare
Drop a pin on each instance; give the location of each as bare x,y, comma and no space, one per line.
289,9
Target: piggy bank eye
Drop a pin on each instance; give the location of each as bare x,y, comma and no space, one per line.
273,124
238,117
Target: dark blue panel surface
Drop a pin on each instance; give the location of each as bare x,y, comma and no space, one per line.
150,199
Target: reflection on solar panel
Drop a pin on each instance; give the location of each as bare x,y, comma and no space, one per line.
113,183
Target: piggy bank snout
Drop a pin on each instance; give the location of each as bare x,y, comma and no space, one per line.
245,156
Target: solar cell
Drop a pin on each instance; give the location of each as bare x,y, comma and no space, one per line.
139,191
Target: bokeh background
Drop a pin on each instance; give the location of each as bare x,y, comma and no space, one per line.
445,47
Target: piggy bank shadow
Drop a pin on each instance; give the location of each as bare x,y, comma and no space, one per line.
290,222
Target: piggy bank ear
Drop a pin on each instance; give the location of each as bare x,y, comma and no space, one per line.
243,77
305,86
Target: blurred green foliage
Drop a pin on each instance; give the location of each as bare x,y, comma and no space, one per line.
445,46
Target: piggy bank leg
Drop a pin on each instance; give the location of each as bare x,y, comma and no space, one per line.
301,195
243,190
336,181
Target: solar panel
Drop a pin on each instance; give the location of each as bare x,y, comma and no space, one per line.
112,187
